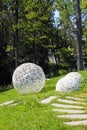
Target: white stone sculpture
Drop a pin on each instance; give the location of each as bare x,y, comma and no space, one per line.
69,83
28,78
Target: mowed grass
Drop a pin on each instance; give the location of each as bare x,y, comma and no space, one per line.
29,114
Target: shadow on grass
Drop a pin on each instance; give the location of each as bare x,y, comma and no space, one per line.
5,88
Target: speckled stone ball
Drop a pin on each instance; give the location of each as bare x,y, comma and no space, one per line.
28,78
70,82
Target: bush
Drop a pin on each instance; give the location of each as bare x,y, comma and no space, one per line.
53,70
62,72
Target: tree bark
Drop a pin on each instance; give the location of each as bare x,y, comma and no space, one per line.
15,44
79,36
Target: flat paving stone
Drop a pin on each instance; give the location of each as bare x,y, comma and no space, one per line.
47,78
7,103
75,123
66,106
74,116
74,98
14,104
70,101
69,111
48,100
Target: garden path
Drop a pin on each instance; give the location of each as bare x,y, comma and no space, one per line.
69,108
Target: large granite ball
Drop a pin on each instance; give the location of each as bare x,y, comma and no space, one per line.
28,78
70,82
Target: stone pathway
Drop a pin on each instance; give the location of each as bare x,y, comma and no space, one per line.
66,106
10,103
70,101
74,98
73,106
75,123
14,104
48,100
74,116
7,103
68,111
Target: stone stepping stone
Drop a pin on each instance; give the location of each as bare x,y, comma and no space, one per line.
48,100
14,104
70,101
69,111
74,98
47,78
67,106
75,123
7,103
74,116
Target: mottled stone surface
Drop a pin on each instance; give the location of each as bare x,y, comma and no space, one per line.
28,78
70,82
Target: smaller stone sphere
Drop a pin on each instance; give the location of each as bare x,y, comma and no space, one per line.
28,78
74,76
70,82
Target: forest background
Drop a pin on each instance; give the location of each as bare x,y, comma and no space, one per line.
30,32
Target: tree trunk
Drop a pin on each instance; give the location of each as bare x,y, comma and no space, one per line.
15,48
79,36
15,44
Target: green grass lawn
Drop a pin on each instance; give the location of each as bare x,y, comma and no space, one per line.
29,114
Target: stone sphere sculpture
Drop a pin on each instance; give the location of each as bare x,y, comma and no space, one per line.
70,82
28,78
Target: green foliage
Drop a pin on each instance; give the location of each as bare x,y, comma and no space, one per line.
53,70
36,31
5,75
9,48
62,72
68,58
84,4
37,35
